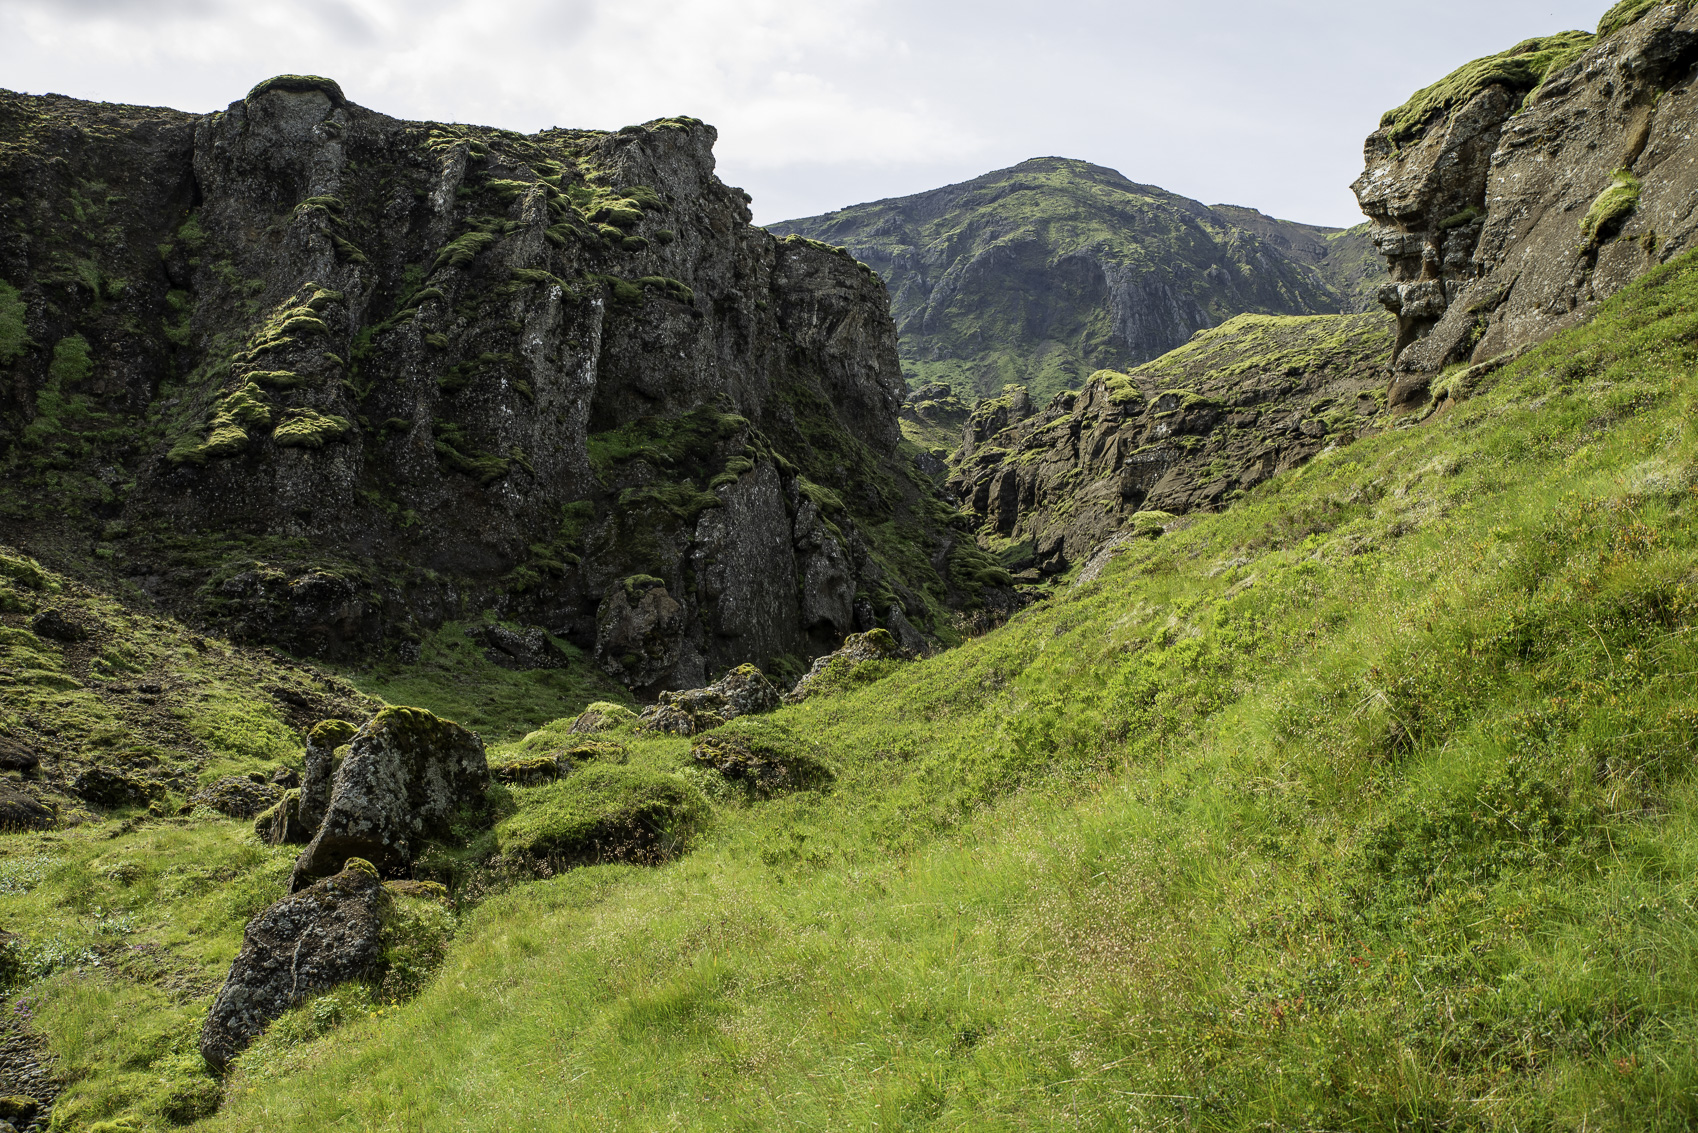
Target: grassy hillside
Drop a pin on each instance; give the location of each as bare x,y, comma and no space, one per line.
1366,804
1043,273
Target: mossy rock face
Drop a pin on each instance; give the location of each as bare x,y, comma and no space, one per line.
281,825
331,734
407,777
766,758
602,814
530,771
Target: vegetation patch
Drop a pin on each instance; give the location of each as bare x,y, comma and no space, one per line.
308,428
1612,206
1522,68
605,813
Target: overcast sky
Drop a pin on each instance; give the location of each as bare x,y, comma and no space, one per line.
825,104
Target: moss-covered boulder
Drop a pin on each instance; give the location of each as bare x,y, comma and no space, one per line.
326,737
833,668
18,1108
744,691
763,756
605,813
602,716
237,796
104,786
407,777
327,934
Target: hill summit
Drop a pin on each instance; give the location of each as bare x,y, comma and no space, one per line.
1040,274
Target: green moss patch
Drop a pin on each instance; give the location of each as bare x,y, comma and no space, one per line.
308,428
14,336
1522,68
1611,208
605,813
1628,12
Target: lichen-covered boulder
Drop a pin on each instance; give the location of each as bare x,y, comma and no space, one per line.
768,760
406,776
744,691
640,631
858,648
237,796
322,742
327,934
602,716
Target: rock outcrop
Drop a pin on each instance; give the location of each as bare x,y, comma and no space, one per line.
1042,273
406,777
1513,197
1183,433
371,375
744,691
857,648
327,934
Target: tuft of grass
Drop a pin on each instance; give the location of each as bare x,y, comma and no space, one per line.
1612,206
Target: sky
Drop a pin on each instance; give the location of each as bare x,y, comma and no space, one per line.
825,104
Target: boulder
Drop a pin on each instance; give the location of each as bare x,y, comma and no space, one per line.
17,756
103,786
602,716
19,811
511,649
327,934
406,777
768,761
54,625
744,691
237,796
546,766
874,645
322,742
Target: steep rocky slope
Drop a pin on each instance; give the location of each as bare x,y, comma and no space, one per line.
1515,195
1189,431
327,378
1040,274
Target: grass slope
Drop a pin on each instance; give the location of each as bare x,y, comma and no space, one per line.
1366,804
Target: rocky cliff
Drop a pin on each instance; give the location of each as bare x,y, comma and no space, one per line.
1189,431
1515,195
326,378
1041,274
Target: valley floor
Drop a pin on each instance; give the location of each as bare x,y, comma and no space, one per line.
1366,804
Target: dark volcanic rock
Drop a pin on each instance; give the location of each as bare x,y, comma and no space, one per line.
104,786
19,811
311,941
54,625
15,755
1483,214
407,775
322,742
441,369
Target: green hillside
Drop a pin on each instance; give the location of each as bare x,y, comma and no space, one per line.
1365,804
1040,274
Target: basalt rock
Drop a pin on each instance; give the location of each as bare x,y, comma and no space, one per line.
326,737
108,787
309,942
407,776
1509,212
1184,433
370,376
21,811
744,691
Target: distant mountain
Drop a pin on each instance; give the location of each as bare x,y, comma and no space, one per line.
1046,272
